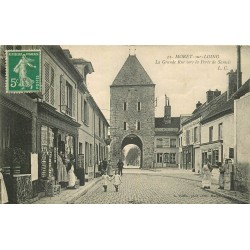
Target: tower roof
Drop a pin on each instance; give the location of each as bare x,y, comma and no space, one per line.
132,73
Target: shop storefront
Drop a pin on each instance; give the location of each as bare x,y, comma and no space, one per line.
187,157
17,141
212,152
58,145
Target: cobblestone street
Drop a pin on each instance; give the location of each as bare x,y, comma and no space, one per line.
148,187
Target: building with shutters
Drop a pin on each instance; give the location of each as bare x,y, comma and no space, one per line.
62,119
18,132
57,111
209,133
92,133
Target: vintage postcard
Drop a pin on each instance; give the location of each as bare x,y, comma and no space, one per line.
144,124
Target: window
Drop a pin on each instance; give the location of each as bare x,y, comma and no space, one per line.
80,148
138,125
100,128
86,112
172,143
49,77
159,143
125,106
68,99
210,134
196,134
125,127
215,156
139,106
82,108
166,157
188,137
159,157
90,154
104,132
172,158
220,135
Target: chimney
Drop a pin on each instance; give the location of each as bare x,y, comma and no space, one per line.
212,94
167,111
232,83
239,73
198,104
217,93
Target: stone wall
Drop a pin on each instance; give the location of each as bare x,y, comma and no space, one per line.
145,94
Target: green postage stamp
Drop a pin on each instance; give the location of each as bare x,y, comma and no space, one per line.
23,71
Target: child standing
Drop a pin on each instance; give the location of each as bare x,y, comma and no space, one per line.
117,180
105,179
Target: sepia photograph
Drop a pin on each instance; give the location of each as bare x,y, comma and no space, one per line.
124,124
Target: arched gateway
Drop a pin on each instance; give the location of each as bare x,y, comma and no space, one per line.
132,118
132,156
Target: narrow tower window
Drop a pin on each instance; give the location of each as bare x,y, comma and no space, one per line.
139,106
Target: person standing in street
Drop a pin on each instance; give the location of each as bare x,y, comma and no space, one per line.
120,165
110,171
206,180
104,164
221,176
105,180
117,180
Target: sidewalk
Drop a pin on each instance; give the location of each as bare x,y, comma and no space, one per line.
68,196
237,196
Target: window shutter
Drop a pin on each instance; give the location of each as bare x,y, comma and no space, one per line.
73,102
62,94
47,82
191,135
52,85
82,109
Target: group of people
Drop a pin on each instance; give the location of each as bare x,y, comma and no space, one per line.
207,174
106,166
108,176
65,170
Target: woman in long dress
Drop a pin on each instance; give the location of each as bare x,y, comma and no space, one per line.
62,175
110,170
206,180
3,191
71,177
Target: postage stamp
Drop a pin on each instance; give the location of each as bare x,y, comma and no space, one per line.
23,73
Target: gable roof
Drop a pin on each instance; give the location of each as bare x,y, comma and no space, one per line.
224,106
132,73
221,108
175,122
245,88
218,107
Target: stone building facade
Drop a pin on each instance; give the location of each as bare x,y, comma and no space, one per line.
132,96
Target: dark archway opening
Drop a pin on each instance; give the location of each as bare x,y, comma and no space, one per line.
132,151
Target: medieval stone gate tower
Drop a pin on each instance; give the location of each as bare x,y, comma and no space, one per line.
132,111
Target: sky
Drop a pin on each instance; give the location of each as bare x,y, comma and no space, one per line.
183,73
